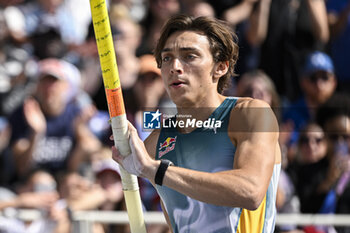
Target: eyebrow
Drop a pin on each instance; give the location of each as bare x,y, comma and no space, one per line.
181,49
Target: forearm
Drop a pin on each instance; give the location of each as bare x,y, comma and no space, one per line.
228,188
319,19
23,151
85,146
239,13
258,24
89,200
63,226
10,203
338,24
333,175
76,158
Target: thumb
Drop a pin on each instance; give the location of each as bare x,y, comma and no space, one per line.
133,134
131,128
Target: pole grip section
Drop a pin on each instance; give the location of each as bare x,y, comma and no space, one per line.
121,134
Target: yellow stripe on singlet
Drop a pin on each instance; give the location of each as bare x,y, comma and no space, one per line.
252,221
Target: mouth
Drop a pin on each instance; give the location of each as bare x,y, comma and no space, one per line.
177,83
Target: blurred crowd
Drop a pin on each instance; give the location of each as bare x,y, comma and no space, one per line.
54,132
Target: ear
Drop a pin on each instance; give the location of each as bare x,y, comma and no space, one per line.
220,69
335,81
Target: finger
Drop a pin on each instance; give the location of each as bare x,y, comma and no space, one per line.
115,151
116,155
131,128
134,136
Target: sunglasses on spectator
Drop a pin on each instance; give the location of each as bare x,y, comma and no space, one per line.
307,140
324,76
336,137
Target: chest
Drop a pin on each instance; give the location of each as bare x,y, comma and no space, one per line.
207,151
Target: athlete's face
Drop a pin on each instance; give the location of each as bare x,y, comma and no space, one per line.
188,69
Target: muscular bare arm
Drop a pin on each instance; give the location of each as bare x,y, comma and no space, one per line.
255,134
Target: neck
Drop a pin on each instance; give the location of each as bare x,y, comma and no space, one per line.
200,110
311,103
312,106
207,101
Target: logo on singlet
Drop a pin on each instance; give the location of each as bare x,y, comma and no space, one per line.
167,146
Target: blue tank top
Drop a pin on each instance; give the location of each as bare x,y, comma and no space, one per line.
210,149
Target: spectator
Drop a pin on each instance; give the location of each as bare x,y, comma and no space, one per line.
15,65
308,169
89,64
312,144
38,192
257,84
287,202
5,134
339,22
108,177
318,83
81,16
4,3
127,38
136,8
146,94
79,193
197,8
237,14
49,130
334,116
223,6
158,13
287,31
42,15
48,44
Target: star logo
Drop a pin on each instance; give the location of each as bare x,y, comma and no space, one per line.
151,120
155,115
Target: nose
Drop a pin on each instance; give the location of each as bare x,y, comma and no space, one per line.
176,67
320,84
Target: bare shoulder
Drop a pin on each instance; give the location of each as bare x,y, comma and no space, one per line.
151,142
252,115
250,104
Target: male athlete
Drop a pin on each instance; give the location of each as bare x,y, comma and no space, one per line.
210,179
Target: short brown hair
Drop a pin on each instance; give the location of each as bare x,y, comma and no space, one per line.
222,41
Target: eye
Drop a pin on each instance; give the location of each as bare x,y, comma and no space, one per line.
190,56
166,59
